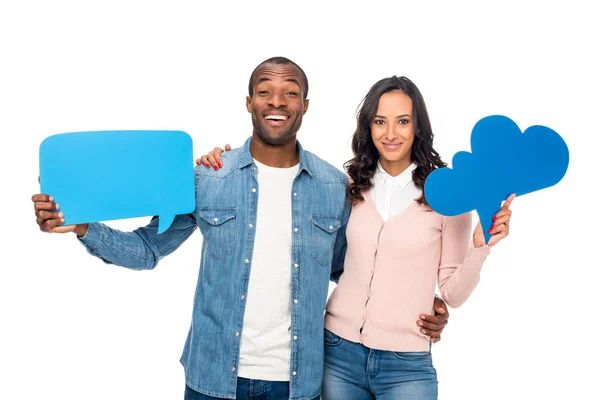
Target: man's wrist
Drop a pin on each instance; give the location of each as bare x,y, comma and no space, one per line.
80,230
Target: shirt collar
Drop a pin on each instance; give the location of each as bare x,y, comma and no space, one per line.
305,162
402,180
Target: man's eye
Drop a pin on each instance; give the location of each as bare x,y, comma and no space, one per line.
263,92
293,93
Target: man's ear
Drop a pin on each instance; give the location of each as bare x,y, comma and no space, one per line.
249,104
305,107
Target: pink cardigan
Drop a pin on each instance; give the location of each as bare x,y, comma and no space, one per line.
390,274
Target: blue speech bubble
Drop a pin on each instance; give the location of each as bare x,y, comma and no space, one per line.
503,161
108,175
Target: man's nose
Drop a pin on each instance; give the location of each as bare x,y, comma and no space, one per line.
277,100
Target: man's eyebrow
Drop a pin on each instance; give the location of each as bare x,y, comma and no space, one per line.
262,79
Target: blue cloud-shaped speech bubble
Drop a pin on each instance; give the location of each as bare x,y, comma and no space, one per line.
108,175
503,161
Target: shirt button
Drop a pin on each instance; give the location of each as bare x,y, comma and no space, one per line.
295,194
294,373
330,227
237,334
233,369
372,271
295,265
216,219
295,337
253,190
295,229
251,226
295,301
242,297
364,317
246,261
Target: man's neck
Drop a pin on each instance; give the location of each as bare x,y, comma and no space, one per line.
279,156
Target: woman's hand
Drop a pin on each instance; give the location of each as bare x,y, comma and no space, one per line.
213,158
499,229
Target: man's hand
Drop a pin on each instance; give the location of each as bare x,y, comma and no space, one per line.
49,218
433,326
213,158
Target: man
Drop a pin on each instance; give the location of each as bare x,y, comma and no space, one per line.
273,222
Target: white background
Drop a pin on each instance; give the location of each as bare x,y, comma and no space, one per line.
75,328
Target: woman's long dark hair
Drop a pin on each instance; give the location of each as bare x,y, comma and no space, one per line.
362,167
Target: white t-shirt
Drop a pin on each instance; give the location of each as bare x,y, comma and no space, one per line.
266,343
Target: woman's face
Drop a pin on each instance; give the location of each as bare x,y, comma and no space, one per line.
393,130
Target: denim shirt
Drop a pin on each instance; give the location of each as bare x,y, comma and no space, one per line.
226,204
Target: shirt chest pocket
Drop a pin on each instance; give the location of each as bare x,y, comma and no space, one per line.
218,229
323,235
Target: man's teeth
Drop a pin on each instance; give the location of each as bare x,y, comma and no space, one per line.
276,117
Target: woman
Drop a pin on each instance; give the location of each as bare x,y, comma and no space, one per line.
397,249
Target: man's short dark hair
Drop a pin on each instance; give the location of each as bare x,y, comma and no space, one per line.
278,61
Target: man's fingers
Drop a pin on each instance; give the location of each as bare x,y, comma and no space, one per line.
439,306
64,229
440,312
430,332
41,197
429,318
49,215
42,205
430,326
434,319
50,224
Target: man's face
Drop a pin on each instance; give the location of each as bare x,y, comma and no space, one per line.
277,104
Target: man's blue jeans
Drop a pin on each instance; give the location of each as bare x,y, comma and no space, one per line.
355,372
250,389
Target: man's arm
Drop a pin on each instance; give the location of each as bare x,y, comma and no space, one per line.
141,249
339,250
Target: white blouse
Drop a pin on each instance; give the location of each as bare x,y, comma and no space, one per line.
392,194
